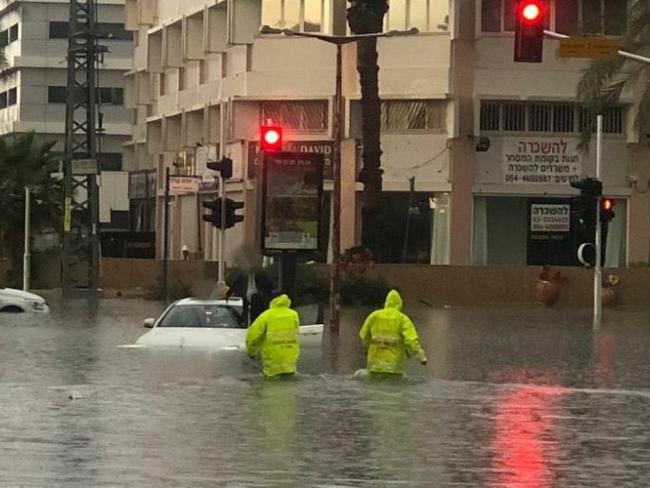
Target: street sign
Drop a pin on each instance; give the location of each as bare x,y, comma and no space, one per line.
589,47
184,184
82,167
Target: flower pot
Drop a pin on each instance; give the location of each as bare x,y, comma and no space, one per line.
608,296
546,292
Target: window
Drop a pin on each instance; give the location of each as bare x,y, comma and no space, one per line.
4,38
181,79
570,16
490,116
112,30
161,84
300,15
111,96
56,94
300,116
413,115
110,161
612,119
426,15
12,96
3,100
13,33
549,118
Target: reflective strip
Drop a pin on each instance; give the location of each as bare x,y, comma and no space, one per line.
385,340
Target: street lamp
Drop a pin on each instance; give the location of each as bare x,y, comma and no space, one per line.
338,41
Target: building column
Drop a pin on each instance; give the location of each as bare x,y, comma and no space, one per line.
639,224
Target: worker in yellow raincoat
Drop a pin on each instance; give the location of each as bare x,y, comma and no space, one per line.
390,336
275,335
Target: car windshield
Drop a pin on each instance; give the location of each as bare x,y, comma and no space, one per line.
201,315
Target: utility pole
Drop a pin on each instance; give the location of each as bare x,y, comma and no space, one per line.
26,255
82,130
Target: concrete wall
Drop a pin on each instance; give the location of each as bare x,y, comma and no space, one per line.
434,286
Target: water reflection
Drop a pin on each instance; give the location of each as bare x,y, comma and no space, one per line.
524,445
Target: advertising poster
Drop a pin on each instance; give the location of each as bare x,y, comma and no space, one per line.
541,161
293,187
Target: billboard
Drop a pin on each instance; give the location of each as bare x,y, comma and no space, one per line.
291,201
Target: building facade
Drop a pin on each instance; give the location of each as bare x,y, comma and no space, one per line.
462,124
33,35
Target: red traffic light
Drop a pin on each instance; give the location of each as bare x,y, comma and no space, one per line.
607,205
529,31
531,11
271,138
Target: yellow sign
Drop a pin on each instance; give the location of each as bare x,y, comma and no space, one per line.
67,215
589,47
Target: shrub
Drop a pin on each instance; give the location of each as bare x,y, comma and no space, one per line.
177,289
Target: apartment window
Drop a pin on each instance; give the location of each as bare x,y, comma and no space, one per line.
56,94
110,161
612,119
299,116
550,118
539,117
490,116
161,84
413,115
4,38
570,16
113,30
12,96
201,70
514,117
13,33
426,15
300,15
111,96
3,100
181,79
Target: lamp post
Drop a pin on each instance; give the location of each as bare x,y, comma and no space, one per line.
338,41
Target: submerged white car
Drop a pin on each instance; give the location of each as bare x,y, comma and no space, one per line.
18,301
220,324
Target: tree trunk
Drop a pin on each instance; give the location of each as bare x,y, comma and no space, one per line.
367,17
371,172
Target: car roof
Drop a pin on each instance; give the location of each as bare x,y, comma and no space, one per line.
232,301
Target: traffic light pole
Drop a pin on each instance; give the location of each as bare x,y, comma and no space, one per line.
165,276
222,234
598,271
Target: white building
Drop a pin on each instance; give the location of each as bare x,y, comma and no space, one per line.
33,85
204,76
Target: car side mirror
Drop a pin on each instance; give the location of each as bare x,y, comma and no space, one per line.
148,323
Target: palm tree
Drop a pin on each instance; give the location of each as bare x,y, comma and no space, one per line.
604,81
367,17
24,161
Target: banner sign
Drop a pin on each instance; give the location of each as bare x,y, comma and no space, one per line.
550,218
541,161
291,201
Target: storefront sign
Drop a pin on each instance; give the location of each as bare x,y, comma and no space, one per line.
541,161
292,191
326,148
550,218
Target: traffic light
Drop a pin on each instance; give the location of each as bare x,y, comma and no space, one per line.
214,217
584,209
224,166
529,31
607,210
231,217
271,138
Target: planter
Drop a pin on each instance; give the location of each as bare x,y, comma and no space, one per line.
608,296
546,292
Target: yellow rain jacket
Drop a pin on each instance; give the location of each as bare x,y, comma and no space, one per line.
275,334
389,335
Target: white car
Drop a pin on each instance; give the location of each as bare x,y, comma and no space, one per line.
220,324
19,301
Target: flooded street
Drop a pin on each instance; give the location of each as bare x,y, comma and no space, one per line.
511,397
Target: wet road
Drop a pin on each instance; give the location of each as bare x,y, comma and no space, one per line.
517,398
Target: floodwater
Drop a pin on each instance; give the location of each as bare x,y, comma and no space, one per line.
511,398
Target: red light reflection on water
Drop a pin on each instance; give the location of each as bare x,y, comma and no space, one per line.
523,442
